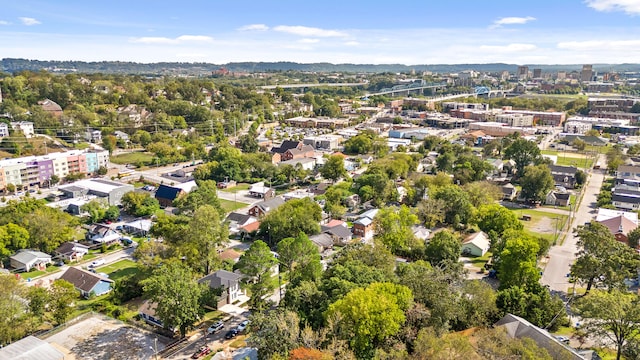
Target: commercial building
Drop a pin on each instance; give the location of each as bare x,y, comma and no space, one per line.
499,129
611,104
109,190
515,119
587,73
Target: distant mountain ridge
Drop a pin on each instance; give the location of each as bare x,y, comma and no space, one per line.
172,68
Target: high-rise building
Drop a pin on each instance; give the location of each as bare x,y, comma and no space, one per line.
587,73
537,73
562,75
523,72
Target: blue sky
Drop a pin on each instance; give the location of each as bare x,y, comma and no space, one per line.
347,31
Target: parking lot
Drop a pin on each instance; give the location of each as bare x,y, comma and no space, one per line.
98,337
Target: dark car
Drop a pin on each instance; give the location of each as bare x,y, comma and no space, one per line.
202,351
231,334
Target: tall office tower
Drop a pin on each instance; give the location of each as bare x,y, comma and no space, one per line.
587,73
562,75
537,73
523,72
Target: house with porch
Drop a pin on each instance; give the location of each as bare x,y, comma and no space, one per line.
88,283
71,251
27,260
228,283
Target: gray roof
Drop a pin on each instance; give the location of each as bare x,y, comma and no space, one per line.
518,327
323,240
83,280
270,204
340,231
237,217
220,278
30,348
67,247
564,170
26,256
625,198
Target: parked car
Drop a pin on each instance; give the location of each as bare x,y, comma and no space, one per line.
202,351
217,326
96,263
563,339
242,326
231,334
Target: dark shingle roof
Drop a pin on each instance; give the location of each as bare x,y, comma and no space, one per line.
81,279
625,198
167,192
237,217
339,231
220,278
559,169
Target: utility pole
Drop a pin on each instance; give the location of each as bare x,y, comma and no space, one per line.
211,122
156,125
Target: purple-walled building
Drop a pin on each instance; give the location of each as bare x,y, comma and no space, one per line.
45,169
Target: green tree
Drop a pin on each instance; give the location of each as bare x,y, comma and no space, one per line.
205,194
443,249
459,208
431,212
301,258
482,193
366,317
109,143
523,152
581,177
579,144
291,218
11,308
139,204
334,169
601,260
62,296
633,238
38,299
12,238
393,228
518,263
206,234
177,295
96,210
495,218
535,304
256,264
274,334
536,182
614,315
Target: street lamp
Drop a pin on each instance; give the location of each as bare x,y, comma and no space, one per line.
155,344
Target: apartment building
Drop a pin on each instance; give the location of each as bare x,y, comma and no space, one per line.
37,170
515,119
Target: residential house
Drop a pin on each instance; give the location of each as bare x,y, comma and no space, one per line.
249,229
121,136
322,241
4,130
30,348
264,207
87,282
259,190
338,231
140,227
237,221
620,226
51,107
229,254
94,136
564,175
167,194
306,163
147,312
626,199
278,151
476,244
25,126
420,232
509,192
557,198
228,282
517,327
306,151
27,260
627,172
320,188
363,227
72,251
99,233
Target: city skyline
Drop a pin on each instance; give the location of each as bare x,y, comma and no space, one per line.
455,32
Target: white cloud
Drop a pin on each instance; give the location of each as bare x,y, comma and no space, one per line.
628,6
169,41
508,48
309,31
599,45
29,21
3,22
308,41
513,20
254,27
352,43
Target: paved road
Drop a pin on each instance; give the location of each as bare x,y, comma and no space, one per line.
562,256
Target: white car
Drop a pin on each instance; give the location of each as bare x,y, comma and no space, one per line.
96,263
217,326
242,326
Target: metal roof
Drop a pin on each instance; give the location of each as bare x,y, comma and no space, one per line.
30,348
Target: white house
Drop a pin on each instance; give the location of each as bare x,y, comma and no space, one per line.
30,259
72,251
228,281
4,130
25,126
476,244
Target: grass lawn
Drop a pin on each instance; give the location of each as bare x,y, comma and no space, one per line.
212,316
230,206
239,342
119,269
542,224
565,331
480,261
35,273
132,158
239,187
584,163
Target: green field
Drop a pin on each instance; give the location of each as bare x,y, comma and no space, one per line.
132,158
120,269
542,223
230,206
235,189
35,273
570,159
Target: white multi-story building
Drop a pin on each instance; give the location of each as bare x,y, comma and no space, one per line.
25,126
518,120
4,130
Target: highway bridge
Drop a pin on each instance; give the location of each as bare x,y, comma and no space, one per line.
297,86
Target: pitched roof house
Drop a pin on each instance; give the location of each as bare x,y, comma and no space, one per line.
87,282
262,208
102,234
564,175
228,281
620,226
509,192
476,244
72,251
259,190
29,259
